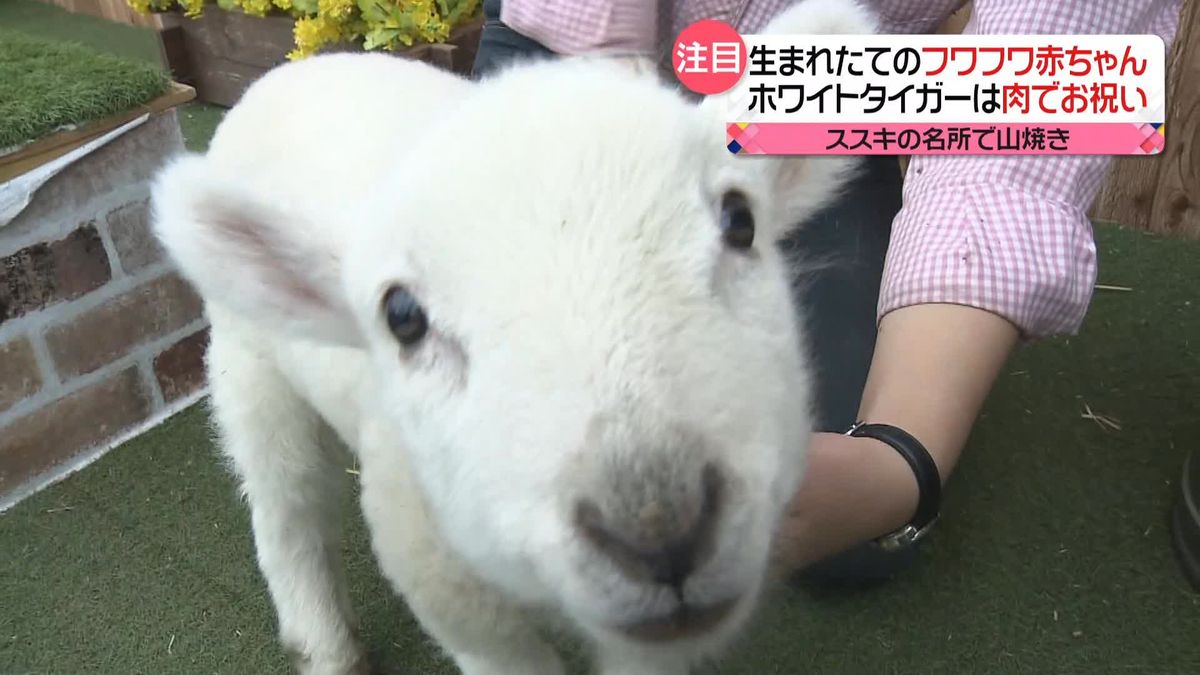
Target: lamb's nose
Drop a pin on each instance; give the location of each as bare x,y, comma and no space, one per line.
657,541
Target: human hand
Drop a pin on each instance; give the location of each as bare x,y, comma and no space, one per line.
932,368
854,490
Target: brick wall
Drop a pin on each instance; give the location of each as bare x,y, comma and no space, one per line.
98,335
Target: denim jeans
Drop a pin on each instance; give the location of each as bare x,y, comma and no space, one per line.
839,255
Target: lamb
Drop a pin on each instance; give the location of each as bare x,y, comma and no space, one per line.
545,314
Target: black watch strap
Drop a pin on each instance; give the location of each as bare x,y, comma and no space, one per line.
929,481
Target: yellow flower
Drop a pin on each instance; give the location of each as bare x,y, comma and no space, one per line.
430,26
394,24
192,8
311,34
335,9
256,7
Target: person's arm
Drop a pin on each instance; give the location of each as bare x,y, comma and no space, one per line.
934,365
984,253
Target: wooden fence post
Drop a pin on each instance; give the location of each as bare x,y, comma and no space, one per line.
1161,193
112,10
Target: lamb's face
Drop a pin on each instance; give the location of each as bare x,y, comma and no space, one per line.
582,335
585,339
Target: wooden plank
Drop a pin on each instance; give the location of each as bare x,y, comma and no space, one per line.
111,10
1161,193
1176,205
456,55
173,53
441,55
222,81
56,145
466,43
1127,194
260,42
224,52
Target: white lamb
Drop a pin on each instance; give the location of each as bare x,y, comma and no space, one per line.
544,311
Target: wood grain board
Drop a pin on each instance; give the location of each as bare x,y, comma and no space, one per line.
113,10
56,145
222,52
1161,193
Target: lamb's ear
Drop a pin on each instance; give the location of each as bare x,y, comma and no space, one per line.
251,255
803,185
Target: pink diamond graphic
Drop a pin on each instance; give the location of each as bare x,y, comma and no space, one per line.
751,148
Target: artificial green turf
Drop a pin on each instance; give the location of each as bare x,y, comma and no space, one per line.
1053,555
197,120
43,19
46,85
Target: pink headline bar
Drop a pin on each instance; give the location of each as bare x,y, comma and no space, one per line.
794,138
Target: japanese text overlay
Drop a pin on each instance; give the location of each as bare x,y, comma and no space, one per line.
930,94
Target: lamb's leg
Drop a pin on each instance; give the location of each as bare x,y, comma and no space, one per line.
483,632
623,660
273,441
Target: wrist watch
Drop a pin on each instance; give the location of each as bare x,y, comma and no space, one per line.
929,482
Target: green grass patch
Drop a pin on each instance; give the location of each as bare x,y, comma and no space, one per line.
42,19
199,122
47,85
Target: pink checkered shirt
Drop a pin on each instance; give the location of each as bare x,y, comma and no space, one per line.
1006,234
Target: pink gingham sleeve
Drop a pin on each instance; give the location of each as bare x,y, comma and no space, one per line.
573,27
1011,235
626,27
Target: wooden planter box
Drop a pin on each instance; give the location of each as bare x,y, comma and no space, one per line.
222,52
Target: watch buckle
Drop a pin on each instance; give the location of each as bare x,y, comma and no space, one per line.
904,537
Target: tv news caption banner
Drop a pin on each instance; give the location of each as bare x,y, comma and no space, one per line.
930,94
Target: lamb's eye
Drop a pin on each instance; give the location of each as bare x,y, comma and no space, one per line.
405,316
737,221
